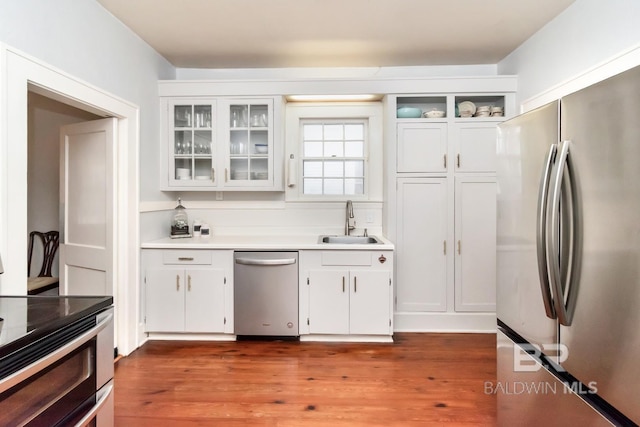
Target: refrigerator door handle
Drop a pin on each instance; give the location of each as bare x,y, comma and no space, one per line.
541,241
564,289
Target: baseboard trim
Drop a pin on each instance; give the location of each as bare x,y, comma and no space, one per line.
445,322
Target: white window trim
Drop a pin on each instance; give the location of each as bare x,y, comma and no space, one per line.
370,111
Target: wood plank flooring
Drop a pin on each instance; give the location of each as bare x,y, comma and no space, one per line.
419,380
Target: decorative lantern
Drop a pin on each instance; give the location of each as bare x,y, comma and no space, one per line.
180,222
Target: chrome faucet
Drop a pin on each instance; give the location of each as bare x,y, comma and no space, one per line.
349,214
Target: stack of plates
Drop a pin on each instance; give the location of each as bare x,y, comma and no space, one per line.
467,109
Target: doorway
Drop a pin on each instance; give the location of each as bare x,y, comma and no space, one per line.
22,75
45,117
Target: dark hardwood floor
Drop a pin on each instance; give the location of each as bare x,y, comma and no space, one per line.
419,380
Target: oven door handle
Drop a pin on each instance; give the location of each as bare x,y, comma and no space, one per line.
54,356
106,393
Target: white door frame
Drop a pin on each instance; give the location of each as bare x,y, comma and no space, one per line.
20,73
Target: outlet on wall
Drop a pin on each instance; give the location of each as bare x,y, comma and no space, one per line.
369,217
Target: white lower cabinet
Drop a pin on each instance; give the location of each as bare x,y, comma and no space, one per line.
346,292
423,224
188,291
430,237
475,229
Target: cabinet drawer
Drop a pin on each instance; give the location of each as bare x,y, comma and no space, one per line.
346,258
187,257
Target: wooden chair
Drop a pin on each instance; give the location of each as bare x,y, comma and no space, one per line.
44,281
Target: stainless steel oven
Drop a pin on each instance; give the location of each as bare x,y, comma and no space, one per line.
62,379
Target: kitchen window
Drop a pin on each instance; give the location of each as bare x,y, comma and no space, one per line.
334,151
333,157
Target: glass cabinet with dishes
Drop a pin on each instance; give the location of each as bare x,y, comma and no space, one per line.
191,148
248,142
220,144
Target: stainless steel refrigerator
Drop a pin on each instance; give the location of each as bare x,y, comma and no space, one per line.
568,260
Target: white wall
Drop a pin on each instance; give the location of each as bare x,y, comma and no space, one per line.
586,34
84,40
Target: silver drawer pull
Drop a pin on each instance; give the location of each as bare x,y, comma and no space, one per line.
185,258
277,261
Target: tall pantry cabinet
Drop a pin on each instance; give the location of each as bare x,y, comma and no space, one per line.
445,210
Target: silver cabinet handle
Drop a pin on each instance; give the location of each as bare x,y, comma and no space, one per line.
343,284
185,258
277,261
444,247
54,356
177,282
355,284
564,298
189,282
226,175
459,247
458,160
541,240
213,174
105,394
445,161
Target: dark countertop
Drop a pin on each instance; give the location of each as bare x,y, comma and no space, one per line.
28,319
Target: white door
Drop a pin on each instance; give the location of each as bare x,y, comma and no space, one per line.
421,247
329,301
475,272
475,146
422,147
369,302
87,171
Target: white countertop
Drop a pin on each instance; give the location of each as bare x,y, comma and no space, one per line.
262,242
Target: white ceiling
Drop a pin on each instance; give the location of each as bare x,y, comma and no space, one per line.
333,33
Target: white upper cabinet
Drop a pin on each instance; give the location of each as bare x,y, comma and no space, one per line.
475,147
222,144
247,140
422,147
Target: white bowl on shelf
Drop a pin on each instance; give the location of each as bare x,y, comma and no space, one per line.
261,148
434,114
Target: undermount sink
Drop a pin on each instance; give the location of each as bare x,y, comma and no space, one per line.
357,240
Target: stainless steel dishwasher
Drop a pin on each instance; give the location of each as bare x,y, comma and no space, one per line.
266,294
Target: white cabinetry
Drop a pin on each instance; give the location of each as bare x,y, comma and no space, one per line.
475,147
445,213
422,147
222,144
421,244
475,229
188,291
346,293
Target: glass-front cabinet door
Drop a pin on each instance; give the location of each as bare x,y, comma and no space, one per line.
192,133
248,142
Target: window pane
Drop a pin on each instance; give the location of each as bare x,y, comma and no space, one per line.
333,186
353,186
355,131
312,186
312,132
333,132
333,149
313,149
354,168
354,149
334,169
312,168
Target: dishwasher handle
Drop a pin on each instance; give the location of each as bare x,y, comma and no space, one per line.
262,261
